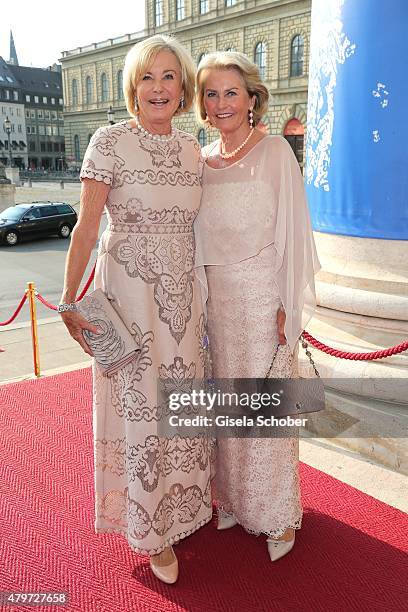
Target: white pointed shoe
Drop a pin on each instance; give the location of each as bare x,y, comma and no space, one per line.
166,573
279,548
225,521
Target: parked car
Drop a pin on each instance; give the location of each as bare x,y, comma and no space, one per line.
37,219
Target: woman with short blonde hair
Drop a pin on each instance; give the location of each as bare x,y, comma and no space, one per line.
255,242
152,489
223,60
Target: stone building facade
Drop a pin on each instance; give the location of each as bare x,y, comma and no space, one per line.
274,33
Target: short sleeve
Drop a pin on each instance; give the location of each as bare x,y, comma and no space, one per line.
99,158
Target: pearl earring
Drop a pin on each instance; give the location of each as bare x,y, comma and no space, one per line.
182,102
136,104
251,118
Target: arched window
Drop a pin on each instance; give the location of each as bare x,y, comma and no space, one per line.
104,87
260,58
202,137
119,82
74,92
296,55
180,10
158,13
294,134
230,49
77,152
89,138
88,89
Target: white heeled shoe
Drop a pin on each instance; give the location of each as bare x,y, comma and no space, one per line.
225,521
166,573
279,548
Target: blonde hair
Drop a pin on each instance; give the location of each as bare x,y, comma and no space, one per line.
226,60
140,57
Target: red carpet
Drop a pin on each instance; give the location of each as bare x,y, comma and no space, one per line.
350,554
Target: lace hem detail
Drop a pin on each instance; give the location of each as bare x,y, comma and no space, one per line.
97,176
155,551
273,533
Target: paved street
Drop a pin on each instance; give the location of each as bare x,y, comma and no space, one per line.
41,261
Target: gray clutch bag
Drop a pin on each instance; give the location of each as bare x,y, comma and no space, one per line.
115,347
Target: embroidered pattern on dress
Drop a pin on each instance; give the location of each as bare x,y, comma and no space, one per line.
162,153
184,179
167,263
156,457
133,216
179,504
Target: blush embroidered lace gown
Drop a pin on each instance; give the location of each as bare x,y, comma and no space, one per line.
153,490
248,271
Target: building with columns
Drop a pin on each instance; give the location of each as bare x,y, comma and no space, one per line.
274,33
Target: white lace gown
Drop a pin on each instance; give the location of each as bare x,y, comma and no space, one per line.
243,208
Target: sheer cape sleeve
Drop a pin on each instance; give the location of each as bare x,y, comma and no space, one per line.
255,203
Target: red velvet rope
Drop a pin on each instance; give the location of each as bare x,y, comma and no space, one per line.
19,307
394,350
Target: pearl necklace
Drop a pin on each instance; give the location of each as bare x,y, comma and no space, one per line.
162,137
238,149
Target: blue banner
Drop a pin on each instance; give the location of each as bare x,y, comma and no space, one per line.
356,157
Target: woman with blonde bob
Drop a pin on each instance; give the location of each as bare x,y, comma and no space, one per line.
255,242
147,174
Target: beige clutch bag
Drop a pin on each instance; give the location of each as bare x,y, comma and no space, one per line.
115,346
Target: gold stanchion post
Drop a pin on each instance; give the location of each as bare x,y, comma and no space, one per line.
34,332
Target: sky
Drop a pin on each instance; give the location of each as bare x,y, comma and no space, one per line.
42,30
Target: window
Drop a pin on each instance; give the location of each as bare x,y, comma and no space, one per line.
28,129
88,89
33,213
202,137
230,49
27,113
7,94
40,114
48,130
33,129
119,82
76,148
41,130
15,96
10,80
180,10
204,6
18,112
260,58
296,56
32,146
104,87
19,130
44,99
28,98
47,211
42,147
60,101
52,100
158,13
230,2
47,114
54,115
32,112
36,99
55,130
64,209
74,88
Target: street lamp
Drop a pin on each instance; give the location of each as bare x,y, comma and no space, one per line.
111,115
7,127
